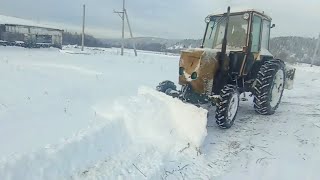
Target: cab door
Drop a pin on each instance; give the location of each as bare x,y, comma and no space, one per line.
256,33
265,38
255,45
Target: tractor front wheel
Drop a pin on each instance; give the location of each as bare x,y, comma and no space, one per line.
166,87
227,106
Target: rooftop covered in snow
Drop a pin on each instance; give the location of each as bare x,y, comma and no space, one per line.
9,20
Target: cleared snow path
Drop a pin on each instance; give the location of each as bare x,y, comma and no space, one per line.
285,145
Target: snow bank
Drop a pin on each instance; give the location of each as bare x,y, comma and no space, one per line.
60,161
148,119
156,117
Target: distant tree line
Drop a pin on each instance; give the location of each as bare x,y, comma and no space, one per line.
152,47
76,39
157,47
295,49
291,49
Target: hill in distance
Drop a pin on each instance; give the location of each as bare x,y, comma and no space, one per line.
291,49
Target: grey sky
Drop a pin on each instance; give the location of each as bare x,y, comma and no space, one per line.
164,18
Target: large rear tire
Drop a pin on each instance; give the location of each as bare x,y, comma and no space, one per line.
269,87
227,106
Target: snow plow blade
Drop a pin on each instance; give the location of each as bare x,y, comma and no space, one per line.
186,94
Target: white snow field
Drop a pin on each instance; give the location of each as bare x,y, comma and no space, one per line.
96,115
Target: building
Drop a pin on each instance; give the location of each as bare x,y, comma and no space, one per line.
28,33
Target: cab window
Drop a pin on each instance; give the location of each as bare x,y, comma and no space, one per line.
265,34
256,31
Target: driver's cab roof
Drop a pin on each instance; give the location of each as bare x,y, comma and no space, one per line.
242,11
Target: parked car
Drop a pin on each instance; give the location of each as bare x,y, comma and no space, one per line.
19,43
3,43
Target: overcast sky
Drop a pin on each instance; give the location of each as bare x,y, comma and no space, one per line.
175,19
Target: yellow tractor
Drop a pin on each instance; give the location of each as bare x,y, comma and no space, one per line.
234,58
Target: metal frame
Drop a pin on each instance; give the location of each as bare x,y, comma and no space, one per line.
263,18
252,14
249,37
249,42
220,15
269,35
246,11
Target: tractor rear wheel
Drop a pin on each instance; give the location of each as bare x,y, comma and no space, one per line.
227,106
269,87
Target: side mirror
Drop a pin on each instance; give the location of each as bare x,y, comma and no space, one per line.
273,25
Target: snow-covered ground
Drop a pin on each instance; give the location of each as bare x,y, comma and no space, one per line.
65,115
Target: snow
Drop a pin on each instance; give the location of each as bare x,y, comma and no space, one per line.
125,125
308,68
265,52
96,116
176,46
19,42
75,52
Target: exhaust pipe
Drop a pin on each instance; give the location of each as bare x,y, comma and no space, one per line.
221,75
225,41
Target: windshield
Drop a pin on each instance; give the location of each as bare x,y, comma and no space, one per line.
237,32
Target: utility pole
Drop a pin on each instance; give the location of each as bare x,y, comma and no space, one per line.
134,44
315,51
83,26
124,15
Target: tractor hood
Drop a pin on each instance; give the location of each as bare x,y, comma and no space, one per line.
198,68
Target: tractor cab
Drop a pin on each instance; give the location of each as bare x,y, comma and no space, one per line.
247,37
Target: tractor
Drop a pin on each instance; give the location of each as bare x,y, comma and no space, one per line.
233,59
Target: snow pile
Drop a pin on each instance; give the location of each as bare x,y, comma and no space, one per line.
74,52
60,161
154,117
149,119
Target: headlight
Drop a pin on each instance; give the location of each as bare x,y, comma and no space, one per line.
246,16
181,71
194,76
208,19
